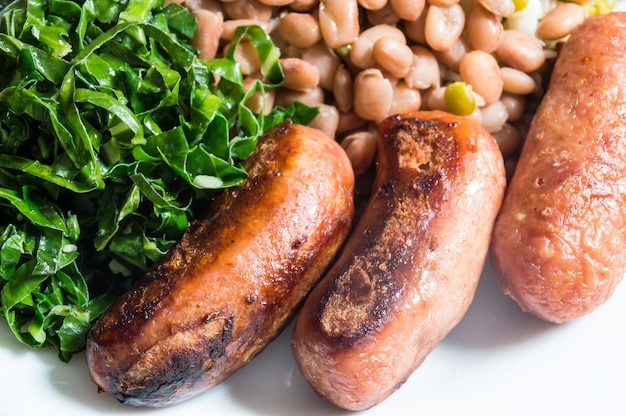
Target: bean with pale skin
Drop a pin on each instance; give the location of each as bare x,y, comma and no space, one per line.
444,26
302,30
361,54
408,9
451,58
372,4
248,9
520,50
393,56
481,70
299,74
415,29
502,8
312,97
561,21
206,38
326,61
483,28
361,149
373,94
516,81
493,116
303,5
424,71
515,105
339,22
405,99
384,16
343,91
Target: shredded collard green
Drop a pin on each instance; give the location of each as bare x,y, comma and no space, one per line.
113,136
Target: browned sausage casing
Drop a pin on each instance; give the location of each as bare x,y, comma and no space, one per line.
559,244
234,280
409,269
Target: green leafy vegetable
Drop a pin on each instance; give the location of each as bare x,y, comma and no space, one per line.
113,136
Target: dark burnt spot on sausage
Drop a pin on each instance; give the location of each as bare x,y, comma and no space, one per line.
251,298
177,363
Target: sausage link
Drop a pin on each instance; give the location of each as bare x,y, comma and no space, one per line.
409,269
559,244
235,279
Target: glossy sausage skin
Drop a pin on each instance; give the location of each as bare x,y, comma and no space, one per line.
409,269
559,244
234,280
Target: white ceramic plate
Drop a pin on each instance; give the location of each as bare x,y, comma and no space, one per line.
498,361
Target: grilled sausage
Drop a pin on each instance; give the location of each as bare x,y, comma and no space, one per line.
559,244
234,280
409,269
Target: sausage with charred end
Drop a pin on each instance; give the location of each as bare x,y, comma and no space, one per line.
409,270
235,279
559,244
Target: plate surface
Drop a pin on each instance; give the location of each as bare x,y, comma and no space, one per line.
497,361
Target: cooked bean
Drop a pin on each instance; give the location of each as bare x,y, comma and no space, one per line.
434,99
299,29
384,16
561,21
303,5
393,56
515,106
483,28
350,121
480,69
326,61
493,116
520,50
502,8
276,2
299,74
207,37
408,9
443,3
361,149
342,89
339,22
415,29
451,57
373,94
361,50
509,139
516,81
327,120
248,9
444,26
312,97
424,71
372,4
405,99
